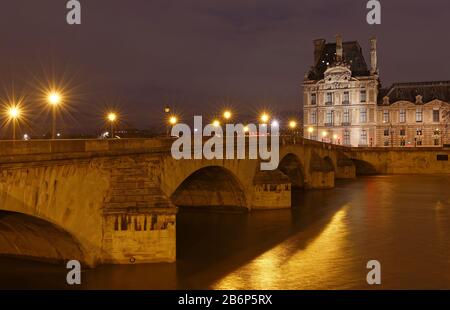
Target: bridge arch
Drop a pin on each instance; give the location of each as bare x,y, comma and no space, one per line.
329,163
23,235
364,167
292,167
210,187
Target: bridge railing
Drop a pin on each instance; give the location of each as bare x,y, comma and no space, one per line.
33,147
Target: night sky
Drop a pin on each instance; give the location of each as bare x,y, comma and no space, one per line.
202,55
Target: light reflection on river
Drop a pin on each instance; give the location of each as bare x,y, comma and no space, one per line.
324,242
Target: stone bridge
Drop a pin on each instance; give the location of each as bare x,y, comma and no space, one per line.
115,201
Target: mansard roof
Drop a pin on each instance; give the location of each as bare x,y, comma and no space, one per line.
352,56
408,91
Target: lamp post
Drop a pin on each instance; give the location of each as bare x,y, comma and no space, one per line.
14,114
54,99
173,120
112,117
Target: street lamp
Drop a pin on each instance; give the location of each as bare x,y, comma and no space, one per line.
173,120
14,114
335,138
216,123
264,118
324,135
310,131
54,99
292,124
112,118
227,114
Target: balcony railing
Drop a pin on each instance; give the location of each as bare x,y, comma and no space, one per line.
329,103
346,124
329,124
345,102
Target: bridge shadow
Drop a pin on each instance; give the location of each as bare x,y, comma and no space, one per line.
212,245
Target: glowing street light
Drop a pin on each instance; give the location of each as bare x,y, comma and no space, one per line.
112,118
292,124
310,129
54,99
264,118
227,114
324,134
246,129
275,123
216,123
173,120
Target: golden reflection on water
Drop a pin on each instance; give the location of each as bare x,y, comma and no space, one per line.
311,266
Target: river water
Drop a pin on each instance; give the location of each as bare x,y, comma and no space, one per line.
323,242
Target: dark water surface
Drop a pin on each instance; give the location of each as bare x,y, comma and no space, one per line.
324,242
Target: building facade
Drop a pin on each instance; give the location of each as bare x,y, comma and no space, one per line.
343,102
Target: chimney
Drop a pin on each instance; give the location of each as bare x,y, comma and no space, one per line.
339,48
373,56
319,44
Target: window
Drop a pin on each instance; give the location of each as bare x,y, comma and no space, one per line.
419,115
436,132
436,141
346,99
386,132
419,142
346,137
436,116
402,116
402,132
313,99
346,117
363,96
329,99
329,118
418,132
363,138
385,116
402,142
363,116
313,117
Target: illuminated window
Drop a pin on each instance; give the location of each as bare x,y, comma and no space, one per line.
385,116
419,115
402,116
329,98
436,116
313,99
363,137
346,117
346,98
346,137
363,95
313,117
363,116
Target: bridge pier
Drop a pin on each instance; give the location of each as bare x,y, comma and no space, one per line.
272,190
139,221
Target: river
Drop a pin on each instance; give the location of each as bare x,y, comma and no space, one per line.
323,242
